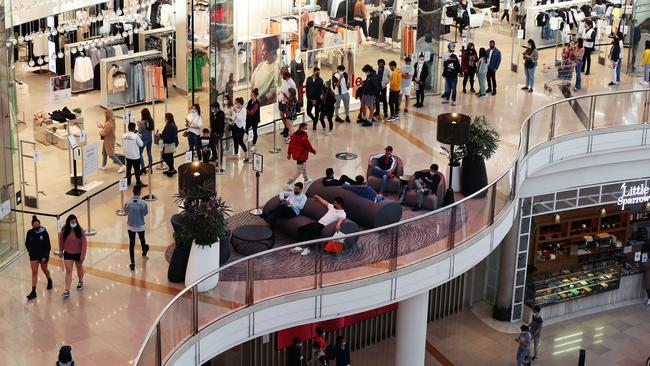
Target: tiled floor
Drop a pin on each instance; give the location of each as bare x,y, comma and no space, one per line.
612,338
106,322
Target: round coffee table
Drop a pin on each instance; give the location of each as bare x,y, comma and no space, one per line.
404,179
250,239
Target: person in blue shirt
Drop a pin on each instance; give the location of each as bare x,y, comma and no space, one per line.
136,209
292,202
363,190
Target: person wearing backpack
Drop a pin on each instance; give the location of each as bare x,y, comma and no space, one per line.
65,357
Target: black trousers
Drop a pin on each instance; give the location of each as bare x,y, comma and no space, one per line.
586,60
419,94
133,164
310,231
329,116
238,136
279,213
471,71
506,14
381,98
393,102
345,179
143,243
253,126
360,23
314,117
492,80
169,160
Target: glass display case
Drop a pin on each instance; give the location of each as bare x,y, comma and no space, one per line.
550,288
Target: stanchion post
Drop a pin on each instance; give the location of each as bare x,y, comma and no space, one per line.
89,230
121,211
257,210
150,197
274,149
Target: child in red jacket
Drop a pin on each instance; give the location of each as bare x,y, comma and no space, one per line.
299,149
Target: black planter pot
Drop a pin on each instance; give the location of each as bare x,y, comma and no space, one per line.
473,176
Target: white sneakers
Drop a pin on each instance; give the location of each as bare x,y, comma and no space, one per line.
102,167
648,302
644,83
305,252
307,181
302,251
121,169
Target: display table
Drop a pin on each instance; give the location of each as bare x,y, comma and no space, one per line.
251,239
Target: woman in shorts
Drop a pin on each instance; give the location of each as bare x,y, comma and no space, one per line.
38,247
73,245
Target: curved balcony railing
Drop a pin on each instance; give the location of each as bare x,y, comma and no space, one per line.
275,273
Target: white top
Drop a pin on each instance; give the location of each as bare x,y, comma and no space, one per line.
240,118
344,84
196,121
131,143
284,89
332,215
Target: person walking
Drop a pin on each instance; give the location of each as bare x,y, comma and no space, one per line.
523,349
145,130
341,84
107,134
194,124
420,75
531,55
645,61
286,84
507,4
450,71
619,64
72,247
299,149
169,138
590,42
468,61
394,87
217,129
327,111
481,71
341,352
536,329
38,247
136,209
407,81
383,75
253,116
494,61
131,143
314,90
579,54
238,128
614,56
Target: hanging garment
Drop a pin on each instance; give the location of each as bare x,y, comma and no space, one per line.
40,45
83,69
166,15
195,74
116,80
136,91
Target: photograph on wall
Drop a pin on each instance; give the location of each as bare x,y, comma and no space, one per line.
60,88
266,68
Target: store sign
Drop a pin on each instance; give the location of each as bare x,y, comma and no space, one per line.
91,158
60,89
635,194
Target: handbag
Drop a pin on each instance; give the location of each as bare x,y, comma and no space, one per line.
529,64
169,148
334,246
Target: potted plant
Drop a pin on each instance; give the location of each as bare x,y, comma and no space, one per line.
77,112
482,145
202,224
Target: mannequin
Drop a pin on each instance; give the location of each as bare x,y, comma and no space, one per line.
298,74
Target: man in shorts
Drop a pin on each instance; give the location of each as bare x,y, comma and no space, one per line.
407,77
370,89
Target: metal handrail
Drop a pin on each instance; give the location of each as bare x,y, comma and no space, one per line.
522,151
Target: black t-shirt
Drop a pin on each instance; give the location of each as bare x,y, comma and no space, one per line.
542,19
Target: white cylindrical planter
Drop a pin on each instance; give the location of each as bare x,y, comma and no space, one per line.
455,183
412,330
203,260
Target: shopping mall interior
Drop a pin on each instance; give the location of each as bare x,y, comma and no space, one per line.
508,223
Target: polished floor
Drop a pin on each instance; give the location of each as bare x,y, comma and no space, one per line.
610,338
106,321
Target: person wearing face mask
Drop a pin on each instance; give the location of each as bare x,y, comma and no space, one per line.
238,129
370,89
194,124
253,116
294,355
217,127
468,61
523,340
407,77
530,64
169,138
383,74
341,85
536,329
136,209
420,77
450,71
291,204
72,247
342,352
314,90
494,61
590,40
286,84
38,247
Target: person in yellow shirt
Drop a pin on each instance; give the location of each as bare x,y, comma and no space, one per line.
646,64
395,88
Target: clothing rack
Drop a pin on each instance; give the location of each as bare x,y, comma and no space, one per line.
115,101
77,87
534,32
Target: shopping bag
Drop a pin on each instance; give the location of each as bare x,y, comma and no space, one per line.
335,245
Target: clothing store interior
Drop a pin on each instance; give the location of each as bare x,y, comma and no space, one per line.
166,55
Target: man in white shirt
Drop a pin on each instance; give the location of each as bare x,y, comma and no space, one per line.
131,143
335,213
291,203
341,82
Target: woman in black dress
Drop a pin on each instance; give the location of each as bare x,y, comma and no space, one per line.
38,247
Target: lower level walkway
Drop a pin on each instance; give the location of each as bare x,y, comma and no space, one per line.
617,337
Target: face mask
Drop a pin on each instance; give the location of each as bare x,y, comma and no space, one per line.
421,62
194,111
72,225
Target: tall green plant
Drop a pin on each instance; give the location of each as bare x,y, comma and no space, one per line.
203,219
483,142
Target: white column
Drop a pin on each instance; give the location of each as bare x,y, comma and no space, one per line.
182,52
412,330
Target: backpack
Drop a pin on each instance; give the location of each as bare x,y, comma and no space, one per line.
330,353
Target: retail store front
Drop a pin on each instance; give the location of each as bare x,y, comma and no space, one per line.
587,249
